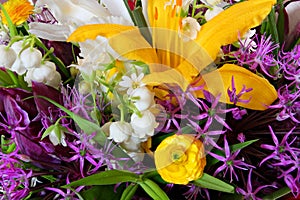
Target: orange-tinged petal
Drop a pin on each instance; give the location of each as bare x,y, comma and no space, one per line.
125,40
239,18
262,95
18,11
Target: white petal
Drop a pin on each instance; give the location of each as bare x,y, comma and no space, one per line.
117,8
52,32
76,11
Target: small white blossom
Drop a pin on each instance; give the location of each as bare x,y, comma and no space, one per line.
132,82
31,57
7,56
18,67
4,36
145,98
57,137
45,73
137,156
120,131
190,28
211,13
144,126
132,144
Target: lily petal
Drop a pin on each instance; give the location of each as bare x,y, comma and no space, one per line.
238,19
218,81
125,40
117,8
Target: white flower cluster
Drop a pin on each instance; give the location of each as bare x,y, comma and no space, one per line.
28,60
130,135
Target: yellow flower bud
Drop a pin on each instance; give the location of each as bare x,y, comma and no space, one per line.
180,159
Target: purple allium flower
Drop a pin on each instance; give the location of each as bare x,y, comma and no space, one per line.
234,97
214,111
229,161
14,180
69,194
249,194
289,103
262,58
280,148
84,151
290,64
286,158
194,192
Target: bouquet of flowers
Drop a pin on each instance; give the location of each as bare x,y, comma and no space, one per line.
150,99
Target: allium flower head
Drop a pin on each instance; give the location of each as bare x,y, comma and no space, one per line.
18,11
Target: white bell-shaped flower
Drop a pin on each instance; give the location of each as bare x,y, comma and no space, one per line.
136,156
143,98
45,73
17,46
57,136
18,67
132,144
31,57
7,56
120,131
144,126
190,28
54,80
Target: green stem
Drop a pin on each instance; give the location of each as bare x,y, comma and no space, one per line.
12,29
57,61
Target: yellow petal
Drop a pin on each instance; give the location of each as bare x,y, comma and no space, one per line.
239,18
91,31
218,81
125,40
171,76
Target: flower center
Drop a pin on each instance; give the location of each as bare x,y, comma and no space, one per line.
178,156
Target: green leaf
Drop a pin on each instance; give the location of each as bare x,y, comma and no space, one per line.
153,190
106,178
210,182
273,27
129,192
278,194
242,145
48,131
280,22
102,192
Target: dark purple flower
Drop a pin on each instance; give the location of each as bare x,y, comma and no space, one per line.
249,194
238,113
229,161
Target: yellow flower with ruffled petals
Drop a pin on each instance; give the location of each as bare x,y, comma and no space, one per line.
180,159
18,11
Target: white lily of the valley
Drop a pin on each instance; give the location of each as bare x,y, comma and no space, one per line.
7,56
45,73
120,131
131,82
143,98
31,57
57,137
143,127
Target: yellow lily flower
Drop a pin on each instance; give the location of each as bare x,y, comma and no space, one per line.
173,60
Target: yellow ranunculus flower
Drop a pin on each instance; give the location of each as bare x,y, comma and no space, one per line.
18,11
180,159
